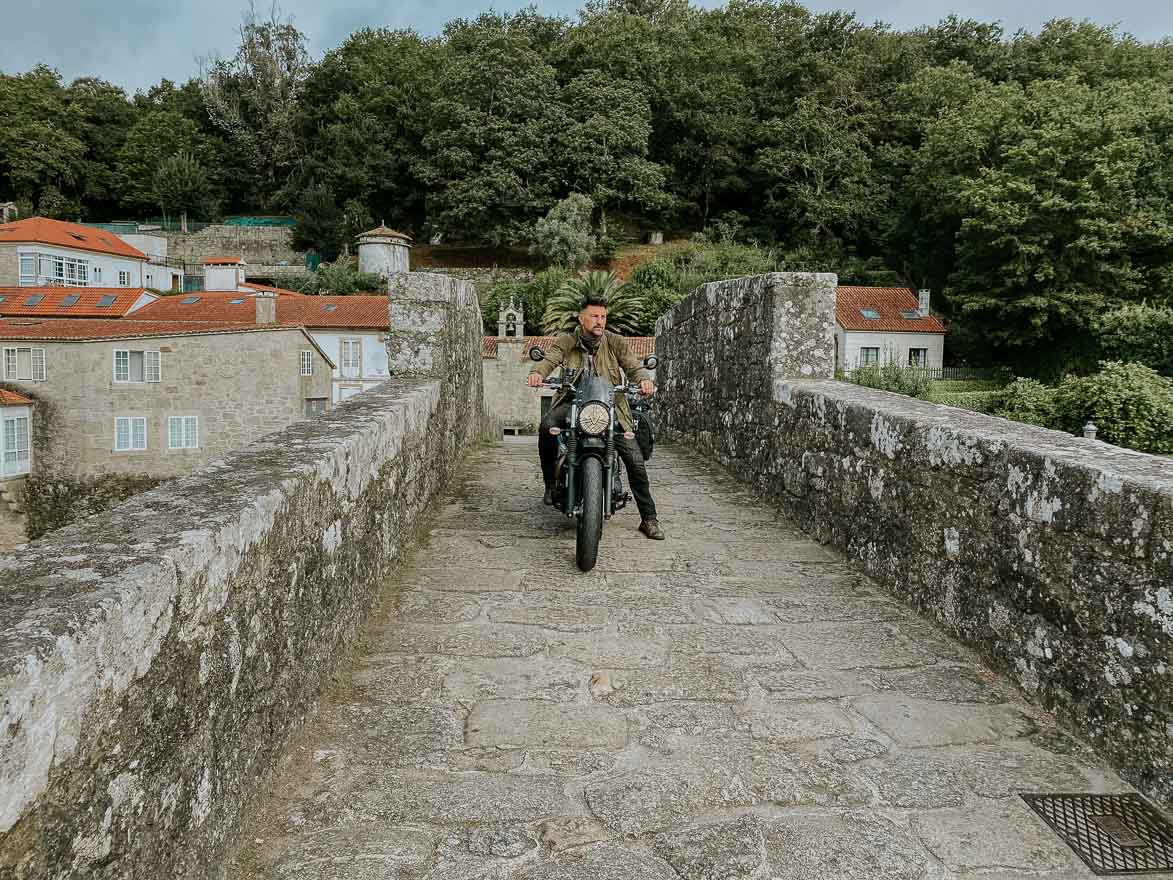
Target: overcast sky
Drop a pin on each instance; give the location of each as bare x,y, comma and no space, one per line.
135,43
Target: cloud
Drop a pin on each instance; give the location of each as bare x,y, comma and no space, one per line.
135,43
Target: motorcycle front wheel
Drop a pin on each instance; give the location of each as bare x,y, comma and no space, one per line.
590,523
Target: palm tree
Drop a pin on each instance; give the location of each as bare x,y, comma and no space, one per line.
625,307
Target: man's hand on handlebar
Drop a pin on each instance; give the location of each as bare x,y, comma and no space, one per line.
647,387
535,380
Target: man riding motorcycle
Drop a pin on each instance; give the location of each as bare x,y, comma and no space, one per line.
610,354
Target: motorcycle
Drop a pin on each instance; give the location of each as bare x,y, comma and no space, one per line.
588,483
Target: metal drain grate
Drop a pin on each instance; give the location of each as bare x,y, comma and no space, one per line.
1112,833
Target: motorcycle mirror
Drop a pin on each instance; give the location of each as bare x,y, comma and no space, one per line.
650,362
536,354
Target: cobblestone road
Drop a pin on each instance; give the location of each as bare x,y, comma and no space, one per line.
731,703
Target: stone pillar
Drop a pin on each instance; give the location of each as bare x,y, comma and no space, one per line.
802,344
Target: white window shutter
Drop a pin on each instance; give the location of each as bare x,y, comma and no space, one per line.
10,363
192,432
122,433
154,366
139,431
174,432
39,364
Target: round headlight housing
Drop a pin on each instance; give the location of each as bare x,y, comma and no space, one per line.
594,418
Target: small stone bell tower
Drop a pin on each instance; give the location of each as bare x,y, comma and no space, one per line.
510,320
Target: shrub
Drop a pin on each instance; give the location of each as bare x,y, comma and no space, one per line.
1026,400
1130,404
893,377
530,295
564,237
624,307
977,401
334,279
1138,334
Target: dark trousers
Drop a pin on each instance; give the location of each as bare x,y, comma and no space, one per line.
633,459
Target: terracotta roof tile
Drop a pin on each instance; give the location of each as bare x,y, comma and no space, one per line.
68,302
11,398
42,230
280,291
357,312
890,303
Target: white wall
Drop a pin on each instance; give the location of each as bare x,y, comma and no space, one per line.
893,346
103,268
374,359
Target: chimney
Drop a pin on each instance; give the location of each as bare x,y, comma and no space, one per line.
923,307
266,307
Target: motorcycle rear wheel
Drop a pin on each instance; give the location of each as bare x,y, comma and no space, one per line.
590,522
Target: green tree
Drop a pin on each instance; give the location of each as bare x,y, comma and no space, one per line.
624,308
564,237
180,186
156,136
41,157
1138,333
340,278
253,98
319,223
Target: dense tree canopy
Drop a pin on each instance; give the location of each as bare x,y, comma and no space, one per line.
1026,178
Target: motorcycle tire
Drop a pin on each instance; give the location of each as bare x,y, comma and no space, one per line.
590,523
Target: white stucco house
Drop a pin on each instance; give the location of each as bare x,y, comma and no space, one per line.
39,252
880,325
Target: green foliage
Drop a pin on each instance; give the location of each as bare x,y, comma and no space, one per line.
964,386
624,306
1138,333
977,401
895,378
319,223
1130,404
564,237
530,295
333,279
180,185
1026,400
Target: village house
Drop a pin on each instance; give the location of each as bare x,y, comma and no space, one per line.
39,252
881,325
351,330
157,398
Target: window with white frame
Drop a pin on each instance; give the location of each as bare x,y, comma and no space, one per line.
869,357
307,363
137,366
183,432
351,357
124,279
918,357
24,364
97,273
28,270
16,444
130,433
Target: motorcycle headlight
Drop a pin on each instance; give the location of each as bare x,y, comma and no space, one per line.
594,418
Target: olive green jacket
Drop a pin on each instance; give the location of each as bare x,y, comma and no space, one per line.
611,355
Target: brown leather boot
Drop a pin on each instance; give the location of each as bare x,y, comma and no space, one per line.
651,528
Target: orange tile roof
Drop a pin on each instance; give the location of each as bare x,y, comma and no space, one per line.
11,398
367,312
89,301
228,261
890,302
489,347
280,291
89,329
42,230
382,229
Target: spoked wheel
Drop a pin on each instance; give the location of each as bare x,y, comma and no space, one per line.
590,523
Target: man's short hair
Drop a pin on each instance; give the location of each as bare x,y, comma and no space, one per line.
593,299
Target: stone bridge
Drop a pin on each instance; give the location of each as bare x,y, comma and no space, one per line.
361,650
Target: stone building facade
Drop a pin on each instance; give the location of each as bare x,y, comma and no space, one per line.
159,399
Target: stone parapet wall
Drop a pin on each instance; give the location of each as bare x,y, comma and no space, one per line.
259,245
1052,555
154,659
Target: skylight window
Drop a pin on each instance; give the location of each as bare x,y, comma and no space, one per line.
235,302
106,301
330,308
2,298
70,300
190,300
34,299
911,314
78,236
870,314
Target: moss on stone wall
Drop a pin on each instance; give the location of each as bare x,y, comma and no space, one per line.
54,501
